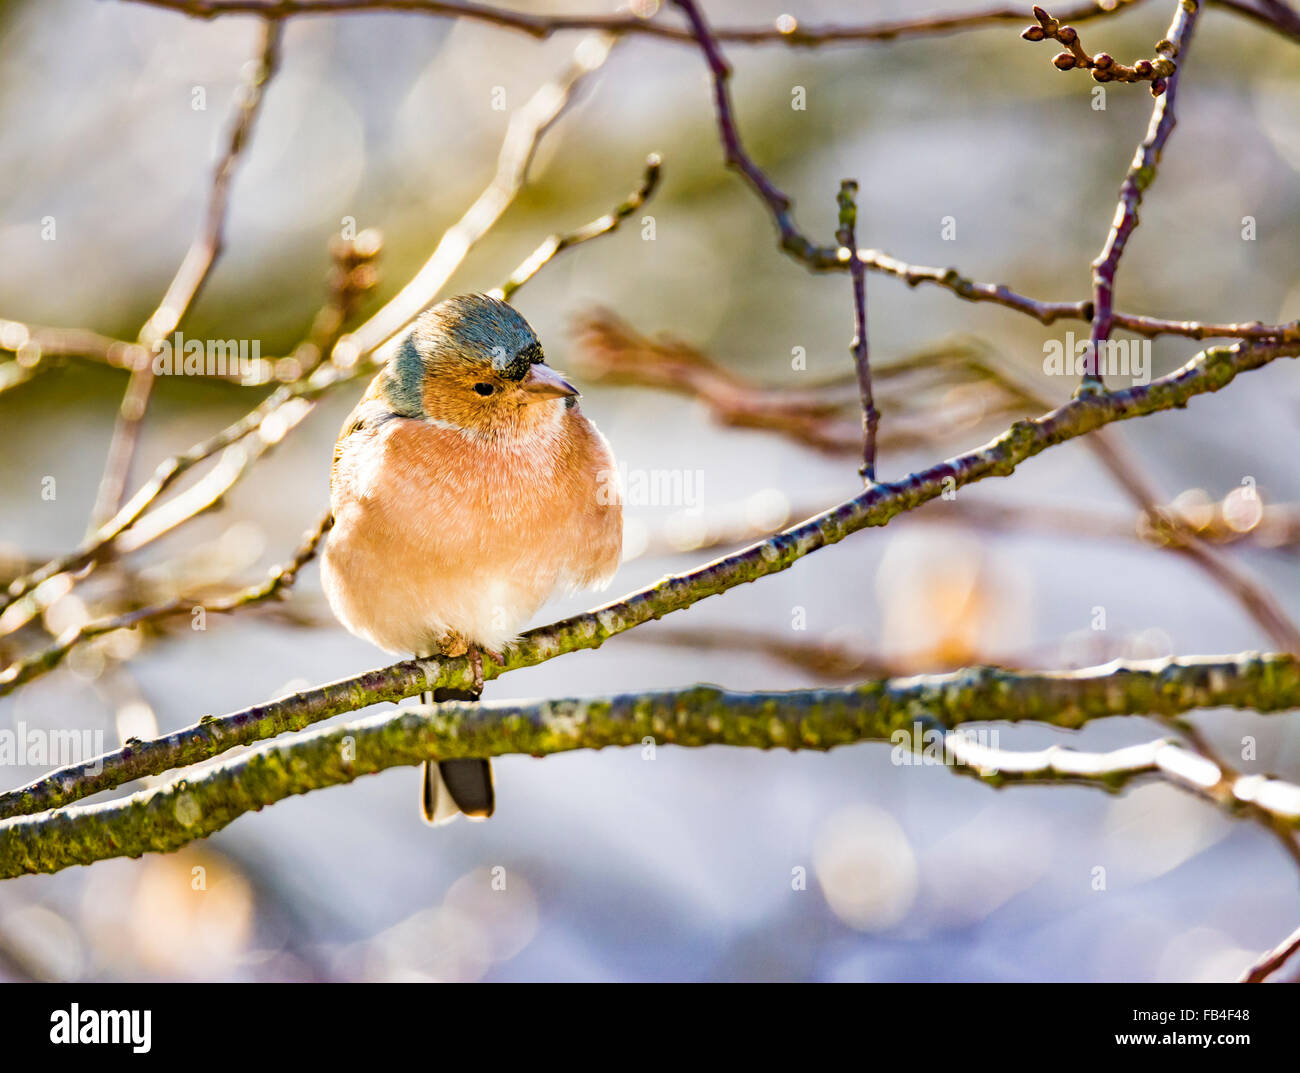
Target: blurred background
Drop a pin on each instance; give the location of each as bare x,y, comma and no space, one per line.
681,867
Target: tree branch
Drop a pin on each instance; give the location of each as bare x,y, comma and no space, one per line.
1103,67
169,816
278,581
1273,960
192,274
556,244
785,30
1141,174
1209,371
527,126
847,236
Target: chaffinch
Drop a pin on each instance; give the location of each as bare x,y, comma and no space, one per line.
467,487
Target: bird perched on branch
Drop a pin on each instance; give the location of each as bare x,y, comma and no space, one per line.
467,487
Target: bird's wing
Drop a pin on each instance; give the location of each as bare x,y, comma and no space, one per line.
360,424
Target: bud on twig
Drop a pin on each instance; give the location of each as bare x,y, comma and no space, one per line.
1103,66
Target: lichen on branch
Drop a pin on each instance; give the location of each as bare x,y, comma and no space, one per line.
167,817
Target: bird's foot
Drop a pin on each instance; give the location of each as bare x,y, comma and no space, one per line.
476,667
453,645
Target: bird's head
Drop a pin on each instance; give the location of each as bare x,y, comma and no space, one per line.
473,363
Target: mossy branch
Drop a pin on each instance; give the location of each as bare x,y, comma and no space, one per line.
169,816
1210,370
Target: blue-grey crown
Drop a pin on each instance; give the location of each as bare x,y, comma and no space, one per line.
481,327
474,327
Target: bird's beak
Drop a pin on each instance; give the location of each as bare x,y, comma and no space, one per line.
543,382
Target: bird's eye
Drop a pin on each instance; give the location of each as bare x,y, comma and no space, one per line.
484,389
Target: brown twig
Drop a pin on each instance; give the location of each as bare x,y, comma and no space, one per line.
1273,960
610,351
970,290
847,236
1141,174
37,348
559,242
1229,775
240,444
101,540
779,205
1277,15
1103,66
1174,532
785,30
527,126
1280,521
192,274
278,581
353,276
39,345
1045,312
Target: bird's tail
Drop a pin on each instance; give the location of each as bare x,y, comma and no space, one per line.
452,787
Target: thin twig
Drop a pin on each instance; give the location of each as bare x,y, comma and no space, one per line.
1103,66
611,351
779,205
101,541
1281,521
37,348
785,30
1176,534
1141,173
1274,803
40,346
192,274
1279,17
827,258
817,257
1045,312
1201,744
559,242
847,236
1273,960
278,581
527,126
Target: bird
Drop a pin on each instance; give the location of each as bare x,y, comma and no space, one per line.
467,489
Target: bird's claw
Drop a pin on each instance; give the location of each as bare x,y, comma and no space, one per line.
476,667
